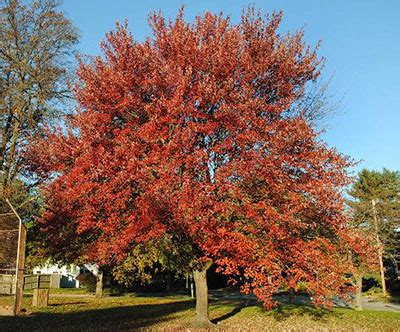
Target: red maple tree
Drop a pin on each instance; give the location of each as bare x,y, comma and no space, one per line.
196,132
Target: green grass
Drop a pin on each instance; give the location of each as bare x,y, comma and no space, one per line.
69,291
73,311
376,294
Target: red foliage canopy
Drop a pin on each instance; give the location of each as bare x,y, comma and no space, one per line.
195,132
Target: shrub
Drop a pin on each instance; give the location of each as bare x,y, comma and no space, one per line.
88,280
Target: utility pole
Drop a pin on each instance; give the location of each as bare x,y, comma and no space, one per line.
380,247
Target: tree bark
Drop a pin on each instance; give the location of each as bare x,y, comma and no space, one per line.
191,286
40,298
382,269
291,296
380,248
357,299
168,282
11,162
5,138
99,284
200,280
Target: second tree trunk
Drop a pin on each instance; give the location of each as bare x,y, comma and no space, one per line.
99,284
357,299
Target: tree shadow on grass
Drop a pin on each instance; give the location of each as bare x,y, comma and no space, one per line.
227,315
118,293
281,312
67,303
285,311
237,307
105,319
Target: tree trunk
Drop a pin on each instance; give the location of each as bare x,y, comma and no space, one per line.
382,268
191,286
168,282
291,296
200,280
357,299
99,284
380,248
40,298
11,162
5,138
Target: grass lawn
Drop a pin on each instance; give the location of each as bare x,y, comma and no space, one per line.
77,311
376,293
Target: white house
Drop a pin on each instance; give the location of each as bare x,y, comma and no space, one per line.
65,276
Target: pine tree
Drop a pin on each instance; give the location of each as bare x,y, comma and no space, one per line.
376,208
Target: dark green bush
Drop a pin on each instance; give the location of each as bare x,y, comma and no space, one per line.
88,280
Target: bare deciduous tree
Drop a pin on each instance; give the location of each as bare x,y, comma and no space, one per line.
36,44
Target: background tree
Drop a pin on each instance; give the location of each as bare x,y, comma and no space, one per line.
36,41
316,105
194,133
20,197
27,204
376,207
363,258
162,255
36,44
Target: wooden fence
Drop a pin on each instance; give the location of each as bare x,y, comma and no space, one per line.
7,284
37,281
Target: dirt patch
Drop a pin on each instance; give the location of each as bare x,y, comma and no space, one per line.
6,311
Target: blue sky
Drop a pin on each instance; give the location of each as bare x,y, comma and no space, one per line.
360,39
